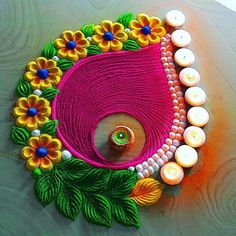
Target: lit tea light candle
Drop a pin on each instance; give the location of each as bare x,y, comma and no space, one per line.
175,18
186,156
189,77
194,136
195,96
198,116
181,38
184,57
172,173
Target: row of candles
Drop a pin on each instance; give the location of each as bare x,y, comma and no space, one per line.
186,156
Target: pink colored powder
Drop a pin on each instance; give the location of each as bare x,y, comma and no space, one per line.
133,82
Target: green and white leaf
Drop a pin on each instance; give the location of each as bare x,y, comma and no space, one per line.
19,135
49,127
23,88
125,19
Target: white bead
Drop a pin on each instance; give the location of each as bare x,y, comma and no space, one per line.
155,166
35,132
164,158
172,148
89,39
146,173
145,165
66,155
160,162
139,168
55,58
131,168
150,170
169,154
176,142
37,92
127,30
150,161
140,175
155,157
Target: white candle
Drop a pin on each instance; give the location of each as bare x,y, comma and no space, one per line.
189,77
174,18
195,96
181,38
186,156
194,136
184,57
198,116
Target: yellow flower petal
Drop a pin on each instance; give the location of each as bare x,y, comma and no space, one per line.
72,55
45,164
78,35
41,62
134,34
42,103
68,35
46,84
18,111
32,66
98,29
116,45
32,123
32,163
62,52
27,152
121,36
44,140
143,19
51,64
22,121
83,43
33,142
29,75
82,52
153,38
40,119
60,43
117,27
54,144
54,156
22,102
143,40
160,31
97,39
155,22
135,25
104,45
54,80
107,25
54,71
36,83
32,100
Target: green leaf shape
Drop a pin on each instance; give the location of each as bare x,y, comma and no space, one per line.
125,211
93,50
64,64
131,45
49,51
23,88
121,183
87,30
48,186
49,127
97,209
69,201
19,135
125,18
49,93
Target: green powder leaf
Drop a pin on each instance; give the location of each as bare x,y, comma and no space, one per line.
87,30
125,211
93,50
23,88
131,45
19,135
48,186
97,209
49,127
49,51
124,19
49,93
64,64
69,201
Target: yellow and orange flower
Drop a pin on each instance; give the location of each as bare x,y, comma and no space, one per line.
109,36
72,45
32,112
146,30
43,73
42,152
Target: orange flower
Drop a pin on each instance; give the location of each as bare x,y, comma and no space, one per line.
43,73
42,152
146,30
72,45
109,36
32,112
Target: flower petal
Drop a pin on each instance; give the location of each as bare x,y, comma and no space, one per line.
83,43
54,156
32,123
46,84
41,62
107,25
54,71
104,45
117,27
62,52
68,35
153,38
27,152
97,38
51,64
78,35
22,102
160,31
143,40
155,22
121,36
33,100
72,55
33,142
22,121
99,30
134,34
60,43
42,103
82,52
44,140
40,119
143,19
54,80
18,111
33,163
116,45
29,76
135,25
54,144
32,66
36,83
45,164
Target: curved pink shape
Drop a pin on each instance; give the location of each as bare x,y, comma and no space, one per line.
128,81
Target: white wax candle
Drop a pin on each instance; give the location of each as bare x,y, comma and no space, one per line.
194,136
172,173
189,77
195,96
186,156
181,38
174,18
184,57
198,116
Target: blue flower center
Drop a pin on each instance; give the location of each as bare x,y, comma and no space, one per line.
32,111
108,36
146,30
71,44
41,152
42,73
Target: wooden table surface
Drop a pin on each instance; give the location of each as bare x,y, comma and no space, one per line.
205,202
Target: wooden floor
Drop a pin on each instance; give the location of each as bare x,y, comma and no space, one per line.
205,202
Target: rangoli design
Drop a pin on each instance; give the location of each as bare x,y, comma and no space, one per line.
102,114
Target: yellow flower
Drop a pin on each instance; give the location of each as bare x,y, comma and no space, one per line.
72,45
32,112
146,30
43,73
42,152
109,36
